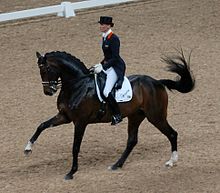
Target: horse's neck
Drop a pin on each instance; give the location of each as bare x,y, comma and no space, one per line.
77,90
71,73
74,79
70,80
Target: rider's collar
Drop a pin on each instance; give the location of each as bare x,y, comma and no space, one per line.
104,35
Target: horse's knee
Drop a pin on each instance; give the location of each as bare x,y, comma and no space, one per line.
131,143
42,127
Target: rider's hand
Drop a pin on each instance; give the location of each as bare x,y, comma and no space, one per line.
97,68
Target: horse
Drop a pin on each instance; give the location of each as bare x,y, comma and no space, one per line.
78,103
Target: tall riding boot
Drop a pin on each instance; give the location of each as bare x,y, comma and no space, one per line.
116,117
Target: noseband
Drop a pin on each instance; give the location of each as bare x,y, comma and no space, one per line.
54,85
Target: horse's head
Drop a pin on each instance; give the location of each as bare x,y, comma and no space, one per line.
49,75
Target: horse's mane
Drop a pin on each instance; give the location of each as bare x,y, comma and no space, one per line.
69,58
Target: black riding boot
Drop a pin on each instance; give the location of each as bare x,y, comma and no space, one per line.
116,117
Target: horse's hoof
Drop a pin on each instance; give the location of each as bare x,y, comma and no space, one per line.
173,159
27,152
68,177
169,164
113,168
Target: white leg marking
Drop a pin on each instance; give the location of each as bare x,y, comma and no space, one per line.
28,146
173,159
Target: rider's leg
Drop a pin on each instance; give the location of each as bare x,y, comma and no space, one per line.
110,82
116,117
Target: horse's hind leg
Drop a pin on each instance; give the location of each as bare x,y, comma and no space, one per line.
134,122
171,134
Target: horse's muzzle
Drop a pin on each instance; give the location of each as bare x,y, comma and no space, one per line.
50,90
51,87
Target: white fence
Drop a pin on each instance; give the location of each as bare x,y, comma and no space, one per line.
65,9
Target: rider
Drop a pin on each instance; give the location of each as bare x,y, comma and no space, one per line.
112,64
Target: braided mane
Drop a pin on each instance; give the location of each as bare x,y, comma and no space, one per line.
69,58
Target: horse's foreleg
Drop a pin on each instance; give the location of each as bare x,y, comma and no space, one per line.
133,123
59,119
78,136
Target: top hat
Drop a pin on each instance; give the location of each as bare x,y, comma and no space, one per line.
106,20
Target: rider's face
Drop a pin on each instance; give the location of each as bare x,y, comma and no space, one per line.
104,27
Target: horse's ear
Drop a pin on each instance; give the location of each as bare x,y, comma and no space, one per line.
38,55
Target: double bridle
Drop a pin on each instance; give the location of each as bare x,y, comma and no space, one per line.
53,84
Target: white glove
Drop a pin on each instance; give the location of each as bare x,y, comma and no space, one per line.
97,68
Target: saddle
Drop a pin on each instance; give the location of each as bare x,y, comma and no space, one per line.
124,94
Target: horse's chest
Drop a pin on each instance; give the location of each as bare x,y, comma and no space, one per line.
63,107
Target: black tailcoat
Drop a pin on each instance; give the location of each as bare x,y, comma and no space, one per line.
111,49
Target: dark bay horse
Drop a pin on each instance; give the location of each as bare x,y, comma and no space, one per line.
78,102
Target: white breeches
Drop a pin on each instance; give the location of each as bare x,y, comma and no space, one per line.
111,79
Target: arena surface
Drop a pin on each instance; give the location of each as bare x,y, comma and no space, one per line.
147,30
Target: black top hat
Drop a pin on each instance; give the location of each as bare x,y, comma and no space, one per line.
106,20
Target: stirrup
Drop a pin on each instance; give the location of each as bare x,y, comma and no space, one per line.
116,119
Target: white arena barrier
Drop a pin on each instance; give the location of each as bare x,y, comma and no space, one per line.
65,9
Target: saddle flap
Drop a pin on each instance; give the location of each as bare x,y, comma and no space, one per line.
121,95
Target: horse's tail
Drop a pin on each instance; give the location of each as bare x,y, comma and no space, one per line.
178,64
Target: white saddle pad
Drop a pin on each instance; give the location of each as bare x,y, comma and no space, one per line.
122,95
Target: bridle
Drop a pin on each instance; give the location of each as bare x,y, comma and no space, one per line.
53,84
57,84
